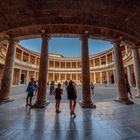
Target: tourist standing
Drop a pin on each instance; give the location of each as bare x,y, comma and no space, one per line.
52,87
72,95
92,87
30,89
58,93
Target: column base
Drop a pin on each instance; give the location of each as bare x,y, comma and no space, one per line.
87,104
137,96
40,105
126,102
6,100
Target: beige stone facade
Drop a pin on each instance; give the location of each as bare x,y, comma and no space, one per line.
60,68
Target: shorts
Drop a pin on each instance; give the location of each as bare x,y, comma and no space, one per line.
30,94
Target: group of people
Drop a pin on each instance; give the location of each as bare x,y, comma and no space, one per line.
58,92
71,94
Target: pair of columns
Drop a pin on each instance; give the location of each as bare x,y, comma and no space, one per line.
43,70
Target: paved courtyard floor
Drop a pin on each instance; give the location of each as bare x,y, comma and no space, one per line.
109,121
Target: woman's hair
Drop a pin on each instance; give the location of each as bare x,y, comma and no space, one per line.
70,82
59,85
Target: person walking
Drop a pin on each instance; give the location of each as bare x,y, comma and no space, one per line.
72,95
58,93
30,89
128,89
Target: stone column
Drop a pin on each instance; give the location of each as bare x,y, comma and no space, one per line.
76,77
22,56
19,77
95,77
101,77
54,63
106,59
114,73
107,77
129,75
136,61
43,73
126,50
8,71
27,78
120,77
29,59
86,101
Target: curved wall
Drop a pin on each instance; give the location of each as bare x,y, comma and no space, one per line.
102,69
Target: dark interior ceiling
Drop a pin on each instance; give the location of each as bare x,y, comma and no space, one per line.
102,18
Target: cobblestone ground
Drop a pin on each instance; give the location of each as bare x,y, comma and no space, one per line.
109,121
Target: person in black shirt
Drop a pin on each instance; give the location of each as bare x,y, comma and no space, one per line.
72,95
57,93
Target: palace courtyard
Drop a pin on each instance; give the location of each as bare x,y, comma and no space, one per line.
109,121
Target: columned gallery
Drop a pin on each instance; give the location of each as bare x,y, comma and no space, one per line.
18,65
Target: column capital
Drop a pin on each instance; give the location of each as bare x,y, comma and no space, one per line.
117,42
85,35
10,38
44,34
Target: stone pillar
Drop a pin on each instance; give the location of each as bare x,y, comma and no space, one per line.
70,76
19,77
106,59
95,77
126,50
107,77
136,61
54,63
120,77
27,78
101,77
43,71
76,77
59,64
114,73
65,77
8,71
129,75
22,56
86,101
29,59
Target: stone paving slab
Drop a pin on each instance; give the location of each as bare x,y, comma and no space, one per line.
109,121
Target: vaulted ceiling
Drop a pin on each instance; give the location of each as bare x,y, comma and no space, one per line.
105,19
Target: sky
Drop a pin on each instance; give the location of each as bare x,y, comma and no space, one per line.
67,46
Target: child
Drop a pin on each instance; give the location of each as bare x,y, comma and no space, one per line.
30,90
58,92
